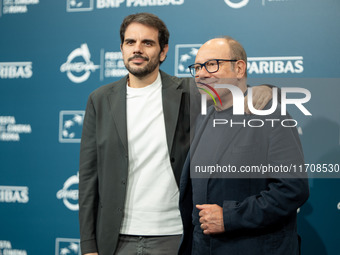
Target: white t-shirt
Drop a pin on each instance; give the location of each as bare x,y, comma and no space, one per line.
151,206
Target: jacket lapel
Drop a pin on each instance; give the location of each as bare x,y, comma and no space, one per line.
117,100
171,95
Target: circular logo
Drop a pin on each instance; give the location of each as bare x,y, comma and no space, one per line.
79,71
68,194
236,5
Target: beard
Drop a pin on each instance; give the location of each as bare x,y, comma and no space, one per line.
141,72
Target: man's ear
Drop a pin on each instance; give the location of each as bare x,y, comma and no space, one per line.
164,52
121,47
241,68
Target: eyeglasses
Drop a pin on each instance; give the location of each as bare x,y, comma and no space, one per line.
212,66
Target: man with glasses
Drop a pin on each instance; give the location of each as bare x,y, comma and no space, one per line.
134,143
225,209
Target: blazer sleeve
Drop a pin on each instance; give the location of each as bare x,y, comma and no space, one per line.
283,193
88,181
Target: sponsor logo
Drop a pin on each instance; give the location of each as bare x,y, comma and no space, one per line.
105,4
78,66
10,131
16,6
69,193
236,4
88,5
185,55
70,126
145,3
67,246
6,249
15,70
79,5
14,194
275,65
113,65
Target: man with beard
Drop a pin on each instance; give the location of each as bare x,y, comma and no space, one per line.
134,143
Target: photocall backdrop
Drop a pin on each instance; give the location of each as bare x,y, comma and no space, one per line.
54,53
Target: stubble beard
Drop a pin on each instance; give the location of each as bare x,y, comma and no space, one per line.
141,72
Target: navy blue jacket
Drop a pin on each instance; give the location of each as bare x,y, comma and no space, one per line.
259,214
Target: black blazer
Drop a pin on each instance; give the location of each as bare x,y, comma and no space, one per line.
259,213
104,156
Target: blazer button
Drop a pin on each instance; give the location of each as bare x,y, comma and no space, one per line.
172,160
123,182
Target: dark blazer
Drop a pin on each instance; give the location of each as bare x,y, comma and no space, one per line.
259,213
104,157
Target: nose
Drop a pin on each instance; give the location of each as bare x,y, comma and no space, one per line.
137,48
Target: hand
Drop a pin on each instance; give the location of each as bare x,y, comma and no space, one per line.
261,96
92,253
211,218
